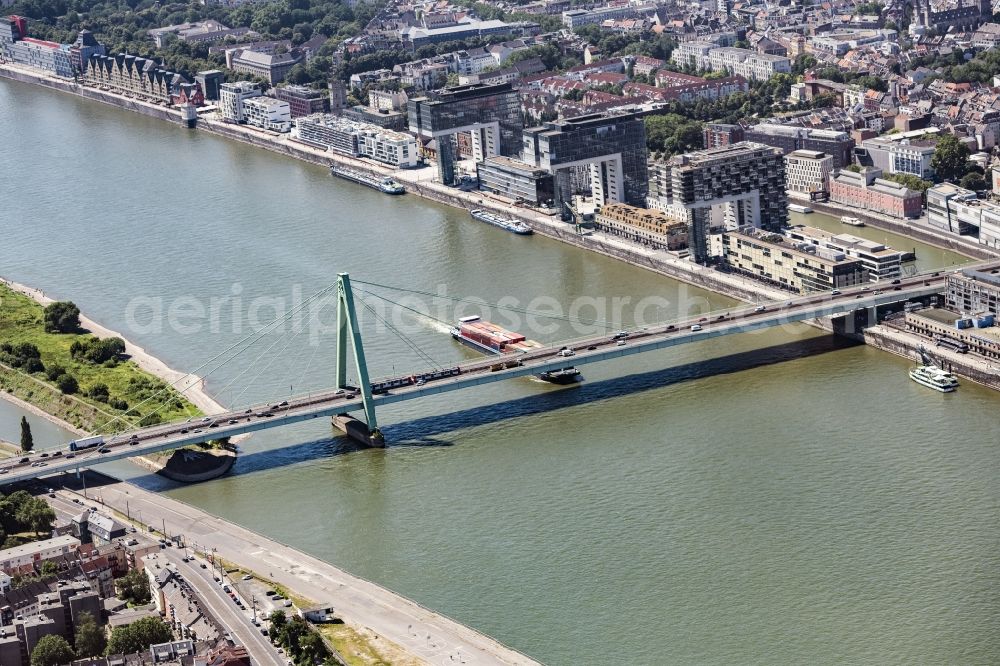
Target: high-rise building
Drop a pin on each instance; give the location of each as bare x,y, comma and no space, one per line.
808,171
744,182
611,146
490,113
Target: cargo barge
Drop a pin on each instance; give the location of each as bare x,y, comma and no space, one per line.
513,226
384,185
487,337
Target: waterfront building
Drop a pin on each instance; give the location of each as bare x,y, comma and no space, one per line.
490,113
652,228
85,46
210,81
49,57
779,261
867,191
390,120
515,180
611,147
133,76
231,98
838,145
303,100
346,137
744,182
807,171
911,156
972,292
267,113
976,334
952,208
272,67
882,262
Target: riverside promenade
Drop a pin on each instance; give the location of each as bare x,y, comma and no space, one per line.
428,636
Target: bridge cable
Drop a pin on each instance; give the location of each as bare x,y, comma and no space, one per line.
409,343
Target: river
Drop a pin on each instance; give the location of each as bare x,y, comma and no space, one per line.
775,498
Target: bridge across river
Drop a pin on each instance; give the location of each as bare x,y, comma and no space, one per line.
338,401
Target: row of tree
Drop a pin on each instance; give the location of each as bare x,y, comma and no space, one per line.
89,641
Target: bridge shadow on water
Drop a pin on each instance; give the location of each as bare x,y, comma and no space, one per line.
425,431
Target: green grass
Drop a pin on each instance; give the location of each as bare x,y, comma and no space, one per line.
21,321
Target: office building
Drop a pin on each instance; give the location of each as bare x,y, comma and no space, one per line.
868,191
739,185
515,180
490,113
882,262
302,100
49,57
210,81
652,228
808,171
272,67
231,98
201,31
610,147
784,263
839,145
267,113
952,208
80,51
912,156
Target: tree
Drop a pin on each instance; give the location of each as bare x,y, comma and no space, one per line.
67,384
909,180
27,441
134,587
278,620
62,317
313,648
950,158
48,568
974,181
51,650
36,515
138,636
90,640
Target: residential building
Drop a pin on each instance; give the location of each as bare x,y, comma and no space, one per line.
347,137
652,228
744,182
576,18
718,135
37,551
387,100
838,145
736,61
133,76
267,113
490,113
882,262
612,147
868,191
272,67
303,100
808,171
515,180
231,98
784,263
972,292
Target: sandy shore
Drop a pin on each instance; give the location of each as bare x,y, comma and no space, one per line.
190,385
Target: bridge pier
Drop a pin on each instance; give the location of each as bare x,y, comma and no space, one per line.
358,430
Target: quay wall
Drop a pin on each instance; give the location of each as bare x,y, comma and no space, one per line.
967,367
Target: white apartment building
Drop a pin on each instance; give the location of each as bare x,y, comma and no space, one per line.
387,100
879,260
268,113
347,137
231,97
807,171
37,551
742,62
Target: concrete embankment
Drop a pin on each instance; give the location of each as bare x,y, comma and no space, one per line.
908,346
105,97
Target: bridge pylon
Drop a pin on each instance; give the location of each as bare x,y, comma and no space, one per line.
349,331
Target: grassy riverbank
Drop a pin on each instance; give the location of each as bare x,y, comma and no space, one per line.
132,395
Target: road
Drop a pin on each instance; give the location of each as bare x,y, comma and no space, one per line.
209,592
430,637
